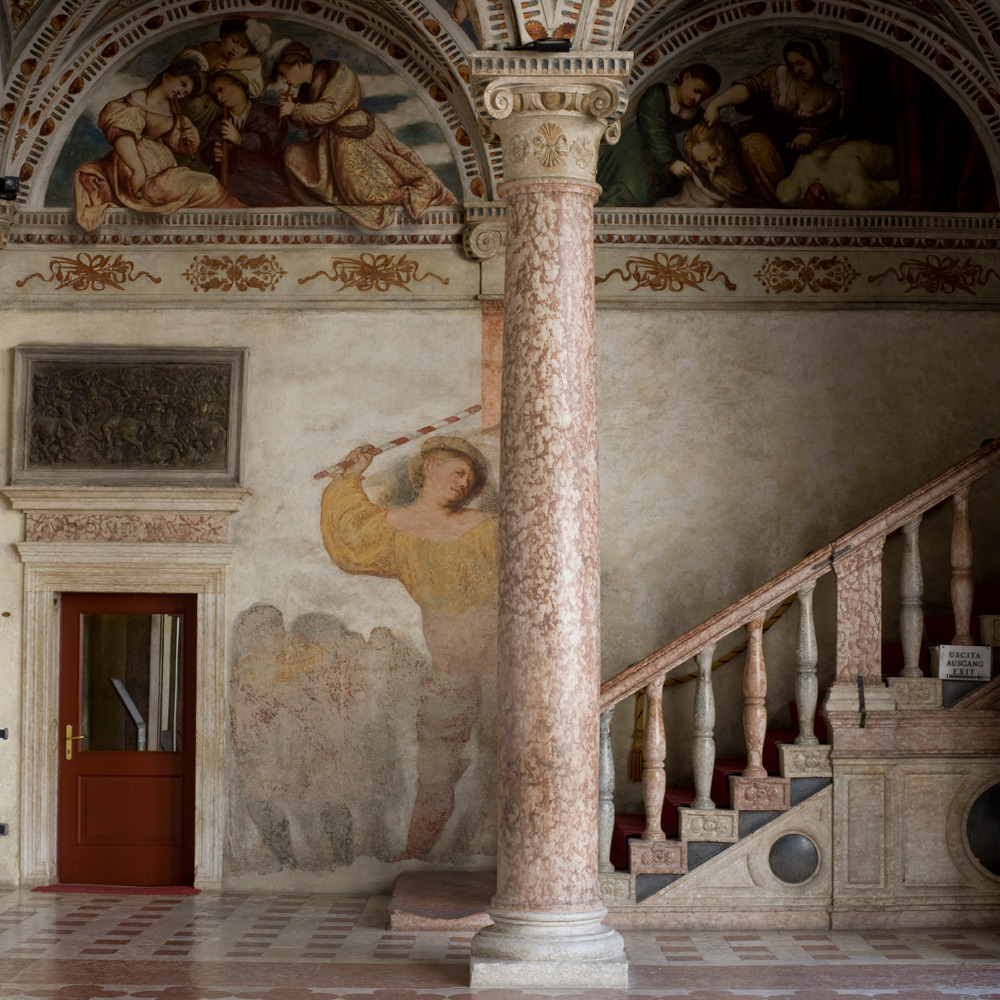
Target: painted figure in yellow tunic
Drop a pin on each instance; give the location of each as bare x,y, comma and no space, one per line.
445,554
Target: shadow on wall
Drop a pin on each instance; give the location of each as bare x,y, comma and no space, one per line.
322,762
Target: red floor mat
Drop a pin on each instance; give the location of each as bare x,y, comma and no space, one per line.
123,890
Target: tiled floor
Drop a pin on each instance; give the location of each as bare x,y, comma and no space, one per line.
243,946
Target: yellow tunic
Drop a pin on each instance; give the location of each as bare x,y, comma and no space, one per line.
451,577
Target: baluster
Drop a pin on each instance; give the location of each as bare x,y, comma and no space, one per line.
654,753
606,795
961,569
703,744
911,589
754,691
807,656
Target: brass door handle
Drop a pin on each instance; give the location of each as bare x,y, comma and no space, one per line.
69,741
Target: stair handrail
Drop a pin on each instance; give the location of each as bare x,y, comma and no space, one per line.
638,675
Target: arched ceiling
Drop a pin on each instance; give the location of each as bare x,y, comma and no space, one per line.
585,24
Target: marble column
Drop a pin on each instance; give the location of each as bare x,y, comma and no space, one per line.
550,113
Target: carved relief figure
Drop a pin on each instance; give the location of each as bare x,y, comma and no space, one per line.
445,555
646,163
146,131
352,159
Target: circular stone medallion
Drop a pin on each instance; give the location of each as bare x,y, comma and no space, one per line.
794,859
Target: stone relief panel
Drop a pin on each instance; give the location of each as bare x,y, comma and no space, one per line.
127,415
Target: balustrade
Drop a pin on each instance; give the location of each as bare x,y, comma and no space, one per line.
855,560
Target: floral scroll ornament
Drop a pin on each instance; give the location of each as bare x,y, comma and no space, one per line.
374,273
90,273
668,272
940,274
223,274
830,274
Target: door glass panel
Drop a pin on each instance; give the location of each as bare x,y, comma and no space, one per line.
131,683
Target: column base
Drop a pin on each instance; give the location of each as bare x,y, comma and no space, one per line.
548,949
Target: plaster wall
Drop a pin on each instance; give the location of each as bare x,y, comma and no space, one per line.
732,443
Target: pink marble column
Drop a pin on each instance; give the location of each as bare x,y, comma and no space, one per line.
547,913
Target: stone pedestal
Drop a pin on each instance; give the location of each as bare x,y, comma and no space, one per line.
547,914
717,826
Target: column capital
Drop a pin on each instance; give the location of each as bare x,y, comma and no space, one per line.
550,110
8,210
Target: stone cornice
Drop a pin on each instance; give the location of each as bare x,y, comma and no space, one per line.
944,734
125,499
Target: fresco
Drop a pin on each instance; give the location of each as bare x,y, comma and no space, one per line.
345,747
259,114
444,552
823,121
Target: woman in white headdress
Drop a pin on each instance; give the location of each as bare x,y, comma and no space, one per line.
792,110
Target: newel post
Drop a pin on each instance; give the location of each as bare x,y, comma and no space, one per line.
859,633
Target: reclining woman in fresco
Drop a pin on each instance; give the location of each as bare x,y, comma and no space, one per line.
352,160
793,110
445,554
141,173
243,147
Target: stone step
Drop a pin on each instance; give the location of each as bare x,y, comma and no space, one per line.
441,901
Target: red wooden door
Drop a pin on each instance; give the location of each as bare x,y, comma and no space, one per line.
126,739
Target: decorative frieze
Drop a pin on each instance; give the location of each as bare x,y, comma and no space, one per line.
795,274
120,527
243,273
374,272
91,272
668,272
940,275
653,857
717,826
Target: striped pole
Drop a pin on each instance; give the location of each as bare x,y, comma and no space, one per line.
396,442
